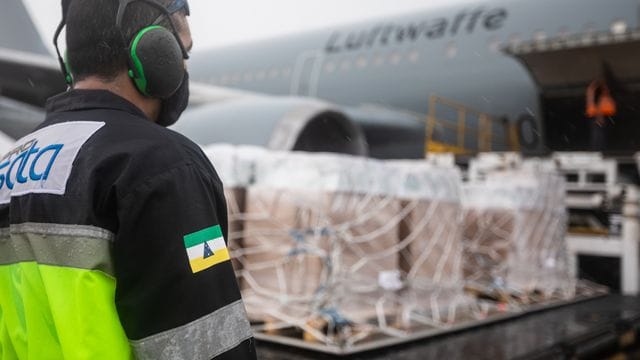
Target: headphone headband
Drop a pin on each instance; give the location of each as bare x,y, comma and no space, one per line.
174,7
56,35
179,5
125,3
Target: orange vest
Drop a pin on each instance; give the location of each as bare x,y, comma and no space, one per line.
605,105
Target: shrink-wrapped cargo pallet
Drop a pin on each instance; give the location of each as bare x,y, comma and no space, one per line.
344,250
332,240
489,232
235,167
431,251
514,230
540,265
417,206
430,197
315,231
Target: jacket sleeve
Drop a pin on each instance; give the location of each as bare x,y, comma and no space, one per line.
176,295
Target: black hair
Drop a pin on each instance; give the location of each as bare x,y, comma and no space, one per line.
95,47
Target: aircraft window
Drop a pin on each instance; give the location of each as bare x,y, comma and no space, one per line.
286,72
362,62
224,80
395,58
330,67
414,56
515,39
494,44
261,74
346,65
273,73
379,60
236,78
451,50
248,77
213,80
619,27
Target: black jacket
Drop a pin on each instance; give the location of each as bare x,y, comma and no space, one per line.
108,167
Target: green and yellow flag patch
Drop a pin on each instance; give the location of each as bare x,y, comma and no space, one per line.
206,248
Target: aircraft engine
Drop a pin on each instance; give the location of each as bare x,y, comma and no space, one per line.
277,123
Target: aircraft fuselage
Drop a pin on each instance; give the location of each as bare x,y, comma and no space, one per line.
454,52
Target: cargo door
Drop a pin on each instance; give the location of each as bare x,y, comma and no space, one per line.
563,68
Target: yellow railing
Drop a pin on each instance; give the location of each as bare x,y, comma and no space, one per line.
482,130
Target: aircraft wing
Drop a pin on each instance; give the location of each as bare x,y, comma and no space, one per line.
28,71
29,77
17,118
205,94
5,143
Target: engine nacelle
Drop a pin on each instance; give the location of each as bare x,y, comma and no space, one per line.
277,123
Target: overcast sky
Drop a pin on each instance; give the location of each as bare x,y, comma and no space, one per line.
217,23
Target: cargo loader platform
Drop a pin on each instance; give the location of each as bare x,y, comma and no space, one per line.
593,329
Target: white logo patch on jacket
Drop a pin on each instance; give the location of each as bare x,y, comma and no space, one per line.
41,162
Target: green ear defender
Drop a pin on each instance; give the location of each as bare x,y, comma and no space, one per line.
156,62
156,55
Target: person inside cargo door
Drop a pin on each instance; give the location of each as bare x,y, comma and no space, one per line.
113,228
600,109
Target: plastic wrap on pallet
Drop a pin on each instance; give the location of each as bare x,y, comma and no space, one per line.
310,222
344,247
487,163
422,218
431,255
344,251
315,172
540,264
539,165
515,224
235,166
489,234
430,200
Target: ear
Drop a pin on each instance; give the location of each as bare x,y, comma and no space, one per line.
157,65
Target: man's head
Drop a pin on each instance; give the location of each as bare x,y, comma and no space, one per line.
107,51
96,47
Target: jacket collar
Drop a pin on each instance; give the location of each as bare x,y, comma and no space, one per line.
76,100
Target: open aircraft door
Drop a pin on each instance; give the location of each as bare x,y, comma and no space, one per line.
563,68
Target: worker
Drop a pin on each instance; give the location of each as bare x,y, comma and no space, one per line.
113,228
600,107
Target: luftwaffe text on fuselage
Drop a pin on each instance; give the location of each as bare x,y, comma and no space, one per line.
393,34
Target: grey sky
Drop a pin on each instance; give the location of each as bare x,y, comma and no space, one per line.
217,23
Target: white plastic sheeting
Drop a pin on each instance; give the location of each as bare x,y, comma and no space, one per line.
347,249
515,225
